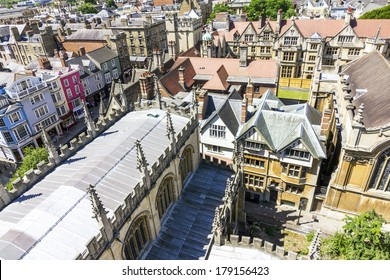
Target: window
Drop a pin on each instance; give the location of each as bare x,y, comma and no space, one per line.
74,78
107,77
290,41
297,154
265,49
54,85
252,180
310,68
217,131
380,179
76,103
253,49
213,148
41,111
254,162
332,51
248,38
7,136
105,66
288,56
312,57
115,74
136,239
77,89
314,46
46,122
345,39
287,72
353,51
14,117
66,82
165,196
56,97
294,189
21,132
113,62
235,48
36,98
254,146
266,36
295,171
2,123
61,110
69,93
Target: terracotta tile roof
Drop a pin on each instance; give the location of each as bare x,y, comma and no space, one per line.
324,27
368,28
219,68
363,74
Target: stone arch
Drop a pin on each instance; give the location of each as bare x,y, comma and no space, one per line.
137,237
186,165
166,194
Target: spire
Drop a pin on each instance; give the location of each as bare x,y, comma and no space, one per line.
122,95
359,116
89,121
157,93
49,146
99,212
102,109
217,223
170,129
194,104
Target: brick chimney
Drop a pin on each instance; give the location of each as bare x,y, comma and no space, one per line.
348,16
261,21
244,106
44,63
250,92
146,83
82,51
157,57
182,77
201,99
63,58
279,21
243,55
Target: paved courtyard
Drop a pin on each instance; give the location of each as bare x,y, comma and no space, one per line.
185,231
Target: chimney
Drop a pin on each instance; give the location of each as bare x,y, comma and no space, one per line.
325,121
201,99
250,92
68,31
82,51
124,22
243,55
182,77
244,105
98,20
261,21
348,16
279,21
146,83
172,49
158,59
148,18
44,63
63,58
15,32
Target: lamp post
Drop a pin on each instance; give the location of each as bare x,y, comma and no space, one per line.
300,211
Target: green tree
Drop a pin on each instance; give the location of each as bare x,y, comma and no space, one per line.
381,13
93,2
219,8
361,239
111,4
269,8
33,156
87,8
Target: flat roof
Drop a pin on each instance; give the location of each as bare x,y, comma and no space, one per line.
53,220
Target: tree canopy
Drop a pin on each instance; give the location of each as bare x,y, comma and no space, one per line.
111,4
219,8
87,8
269,8
33,156
381,13
361,239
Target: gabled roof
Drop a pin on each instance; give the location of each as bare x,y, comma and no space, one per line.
370,72
281,125
229,112
102,55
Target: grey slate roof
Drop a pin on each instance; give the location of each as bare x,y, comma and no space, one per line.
282,125
102,55
90,35
53,220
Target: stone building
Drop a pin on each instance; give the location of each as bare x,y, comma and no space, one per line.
283,150
361,180
113,193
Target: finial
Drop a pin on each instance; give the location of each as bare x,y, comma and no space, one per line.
88,120
97,206
170,128
49,145
217,223
141,160
157,93
102,108
124,103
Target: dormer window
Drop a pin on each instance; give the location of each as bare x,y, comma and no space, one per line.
299,154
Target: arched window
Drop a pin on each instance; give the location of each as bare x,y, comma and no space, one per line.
186,164
165,196
136,239
381,178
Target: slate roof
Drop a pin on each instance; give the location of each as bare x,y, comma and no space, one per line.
90,35
102,55
53,220
371,72
282,125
